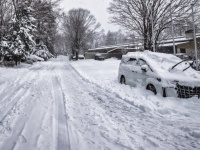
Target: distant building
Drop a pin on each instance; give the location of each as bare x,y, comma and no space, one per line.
183,44
112,50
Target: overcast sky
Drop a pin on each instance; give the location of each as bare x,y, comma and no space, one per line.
97,7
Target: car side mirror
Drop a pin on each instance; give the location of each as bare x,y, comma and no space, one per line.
144,68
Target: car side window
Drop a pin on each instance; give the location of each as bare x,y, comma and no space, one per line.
141,62
124,61
131,61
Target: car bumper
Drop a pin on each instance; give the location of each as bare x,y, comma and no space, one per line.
181,91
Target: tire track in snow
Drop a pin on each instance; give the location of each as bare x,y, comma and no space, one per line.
11,100
85,112
63,139
9,107
17,86
20,80
11,141
37,136
13,89
106,90
23,122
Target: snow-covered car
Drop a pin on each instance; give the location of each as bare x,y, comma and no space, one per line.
160,73
43,54
8,60
49,54
193,64
34,58
81,57
99,56
29,61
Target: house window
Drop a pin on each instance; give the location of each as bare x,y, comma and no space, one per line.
182,50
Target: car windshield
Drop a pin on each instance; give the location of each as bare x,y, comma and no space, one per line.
182,65
161,62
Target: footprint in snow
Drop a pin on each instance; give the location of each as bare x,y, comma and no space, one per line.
21,139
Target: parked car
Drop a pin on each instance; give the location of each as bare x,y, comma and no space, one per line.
160,73
34,58
99,57
43,54
81,57
8,60
29,61
193,64
49,55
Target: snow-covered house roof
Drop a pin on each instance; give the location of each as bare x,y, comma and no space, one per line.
111,47
178,41
171,44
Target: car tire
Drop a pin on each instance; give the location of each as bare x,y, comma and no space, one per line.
151,88
123,80
164,92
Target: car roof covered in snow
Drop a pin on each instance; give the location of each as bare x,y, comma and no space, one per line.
162,63
157,61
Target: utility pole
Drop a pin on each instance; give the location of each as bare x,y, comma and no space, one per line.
152,27
172,28
1,21
195,40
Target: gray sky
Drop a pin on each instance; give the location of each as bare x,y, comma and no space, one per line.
97,7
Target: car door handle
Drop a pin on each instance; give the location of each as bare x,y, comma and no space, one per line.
134,71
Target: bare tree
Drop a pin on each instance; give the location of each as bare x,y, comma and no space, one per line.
79,26
135,15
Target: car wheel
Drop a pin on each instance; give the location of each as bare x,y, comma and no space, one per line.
123,80
151,88
164,92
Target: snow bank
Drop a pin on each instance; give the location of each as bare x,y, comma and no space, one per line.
104,74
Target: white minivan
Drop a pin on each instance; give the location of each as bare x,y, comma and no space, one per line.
160,73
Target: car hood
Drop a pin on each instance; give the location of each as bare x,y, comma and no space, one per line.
190,77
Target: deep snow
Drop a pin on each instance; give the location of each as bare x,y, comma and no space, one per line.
175,122
49,105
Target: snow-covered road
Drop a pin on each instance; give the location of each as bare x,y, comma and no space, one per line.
32,109
50,106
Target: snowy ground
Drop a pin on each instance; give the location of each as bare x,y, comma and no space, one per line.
81,106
